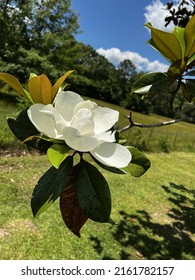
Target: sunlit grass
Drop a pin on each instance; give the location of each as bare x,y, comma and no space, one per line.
154,214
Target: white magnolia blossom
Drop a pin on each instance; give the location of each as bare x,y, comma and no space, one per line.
83,125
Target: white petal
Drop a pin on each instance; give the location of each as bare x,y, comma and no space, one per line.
83,121
112,154
65,103
78,142
85,104
104,119
42,117
108,136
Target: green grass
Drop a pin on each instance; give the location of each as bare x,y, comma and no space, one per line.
177,137
7,139
154,214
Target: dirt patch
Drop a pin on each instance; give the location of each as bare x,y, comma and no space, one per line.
3,233
18,225
18,152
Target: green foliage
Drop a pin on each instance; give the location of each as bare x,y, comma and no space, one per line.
178,47
181,15
152,83
32,35
57,153
93,192
22,128
50,186
139,163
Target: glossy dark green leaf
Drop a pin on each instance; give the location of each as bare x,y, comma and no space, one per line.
120,138
185,93
191,62
93,193
190,37
139,163
151,83
50,186
22,128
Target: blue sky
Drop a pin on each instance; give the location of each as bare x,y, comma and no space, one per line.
116,29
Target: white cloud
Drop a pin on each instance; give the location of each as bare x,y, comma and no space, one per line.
116,56
156,13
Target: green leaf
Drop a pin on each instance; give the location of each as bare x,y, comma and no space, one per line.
190,38
60,82
93,193
139,163
179,33
190,86
23,129
57,154
166,43
191,62
32,75
120,138
15,84
12,82
50,186
45,138
151,83
185,93
176,69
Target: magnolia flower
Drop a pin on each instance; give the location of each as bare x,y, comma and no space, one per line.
83,125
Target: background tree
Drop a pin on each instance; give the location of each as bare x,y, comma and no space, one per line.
32,33
182,14
127,74
38,36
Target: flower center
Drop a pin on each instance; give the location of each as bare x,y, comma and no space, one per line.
83,121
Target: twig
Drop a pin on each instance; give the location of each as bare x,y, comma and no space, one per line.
132,123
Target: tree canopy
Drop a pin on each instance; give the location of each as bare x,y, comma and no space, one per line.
39,37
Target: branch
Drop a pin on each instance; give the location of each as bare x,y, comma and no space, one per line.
132,123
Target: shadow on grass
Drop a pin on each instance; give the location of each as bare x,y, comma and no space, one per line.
141,236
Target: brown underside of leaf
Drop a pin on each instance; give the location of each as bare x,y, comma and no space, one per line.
71,212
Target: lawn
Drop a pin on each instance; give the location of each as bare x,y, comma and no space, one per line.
154,214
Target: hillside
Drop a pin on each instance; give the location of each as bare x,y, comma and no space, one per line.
179,137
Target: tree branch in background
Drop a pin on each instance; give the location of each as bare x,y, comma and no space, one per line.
132,123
